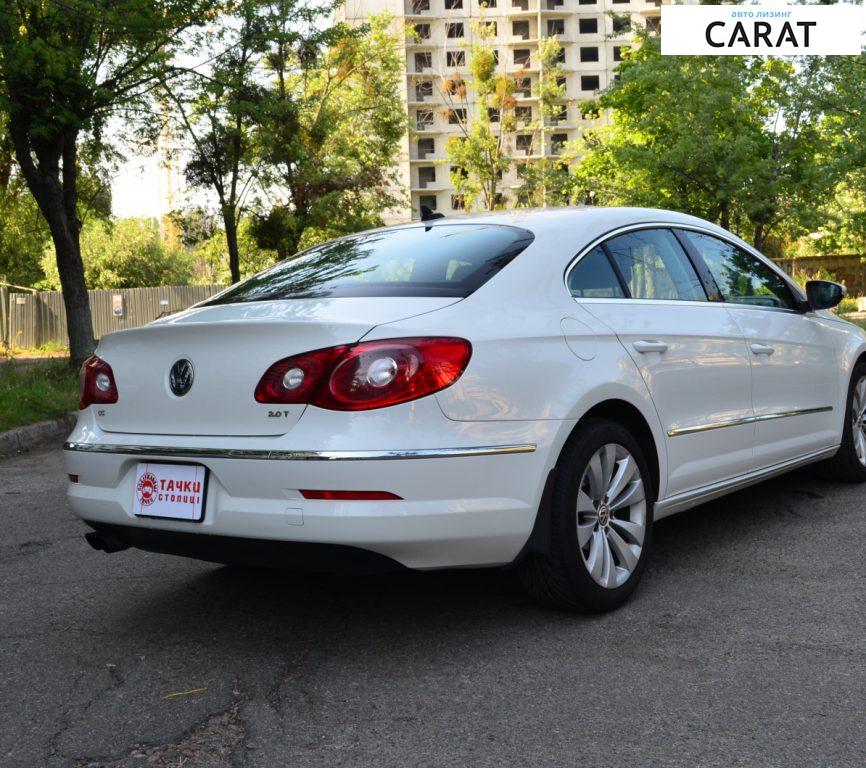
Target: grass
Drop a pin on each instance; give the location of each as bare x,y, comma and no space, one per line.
31,392
46,350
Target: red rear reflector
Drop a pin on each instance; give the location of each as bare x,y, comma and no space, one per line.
73,478
349,495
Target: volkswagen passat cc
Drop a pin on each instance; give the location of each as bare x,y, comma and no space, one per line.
528,388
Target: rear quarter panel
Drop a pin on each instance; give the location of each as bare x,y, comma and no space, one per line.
522,367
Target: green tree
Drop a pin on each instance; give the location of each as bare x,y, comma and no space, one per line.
209,256
212,109
731,139
23,235
218,106
545,179
329,126
127,253
65,67
478,154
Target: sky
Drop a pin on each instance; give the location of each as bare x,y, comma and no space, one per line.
135,188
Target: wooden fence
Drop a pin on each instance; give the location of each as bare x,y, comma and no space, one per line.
849,268
31,320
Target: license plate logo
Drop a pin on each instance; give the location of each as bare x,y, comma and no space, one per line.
174,491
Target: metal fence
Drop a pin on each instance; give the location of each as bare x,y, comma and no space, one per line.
32,320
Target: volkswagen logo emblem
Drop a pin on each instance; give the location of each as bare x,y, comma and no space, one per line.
180,377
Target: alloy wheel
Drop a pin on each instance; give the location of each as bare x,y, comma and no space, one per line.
611,512
858,420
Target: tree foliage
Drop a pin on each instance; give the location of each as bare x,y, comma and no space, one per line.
479,153
330,122
734,140
65,67
127,253
545,179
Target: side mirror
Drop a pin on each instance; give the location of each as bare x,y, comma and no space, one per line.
824,294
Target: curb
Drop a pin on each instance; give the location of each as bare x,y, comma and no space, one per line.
21,438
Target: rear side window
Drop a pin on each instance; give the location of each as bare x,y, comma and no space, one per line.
741,277
431,260
654,266
594,278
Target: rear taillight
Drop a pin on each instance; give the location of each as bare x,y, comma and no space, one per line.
96,383
372,374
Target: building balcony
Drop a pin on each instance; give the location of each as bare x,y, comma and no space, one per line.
429,188
511,7
432,100
418,8
515,69
435,157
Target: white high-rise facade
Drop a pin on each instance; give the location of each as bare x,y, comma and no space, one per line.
592,34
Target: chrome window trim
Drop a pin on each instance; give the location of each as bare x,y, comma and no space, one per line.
277,455
724,236
747,420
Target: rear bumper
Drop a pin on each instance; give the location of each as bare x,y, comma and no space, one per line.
235,550
472,502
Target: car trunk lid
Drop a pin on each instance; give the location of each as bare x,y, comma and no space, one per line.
230,346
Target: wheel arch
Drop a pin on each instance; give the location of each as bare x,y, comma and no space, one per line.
624,413
612,409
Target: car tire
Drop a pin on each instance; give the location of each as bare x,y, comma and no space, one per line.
569,577
849,463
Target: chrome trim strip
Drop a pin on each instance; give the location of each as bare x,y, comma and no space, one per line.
688,499
242,453
746,420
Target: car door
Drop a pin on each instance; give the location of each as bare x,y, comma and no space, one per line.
690,352
794,355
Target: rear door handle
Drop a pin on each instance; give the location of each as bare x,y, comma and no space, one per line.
646,345
761,349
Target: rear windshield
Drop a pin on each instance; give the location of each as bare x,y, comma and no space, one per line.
431,260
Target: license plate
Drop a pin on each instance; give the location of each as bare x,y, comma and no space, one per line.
173,491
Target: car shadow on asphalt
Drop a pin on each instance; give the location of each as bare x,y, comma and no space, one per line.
686,546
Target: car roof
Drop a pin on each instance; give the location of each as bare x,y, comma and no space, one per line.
593,221
540,220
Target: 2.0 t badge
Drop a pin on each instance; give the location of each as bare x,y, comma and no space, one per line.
180,377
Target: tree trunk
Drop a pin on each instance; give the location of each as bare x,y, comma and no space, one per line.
231,225
758,240
725,217
56,193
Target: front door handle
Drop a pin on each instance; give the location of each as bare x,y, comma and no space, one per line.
646,345
761,349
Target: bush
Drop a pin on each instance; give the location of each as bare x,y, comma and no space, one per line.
126,253
848,304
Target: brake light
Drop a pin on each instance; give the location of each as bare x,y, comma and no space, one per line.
96,383
372,374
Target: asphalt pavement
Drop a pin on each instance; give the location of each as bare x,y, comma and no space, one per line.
744,646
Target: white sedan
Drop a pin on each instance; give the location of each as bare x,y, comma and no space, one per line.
524,388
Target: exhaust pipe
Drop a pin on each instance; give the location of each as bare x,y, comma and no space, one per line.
105,542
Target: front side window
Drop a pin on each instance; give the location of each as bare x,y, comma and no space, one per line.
431,260
742,279
654,266
594,278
